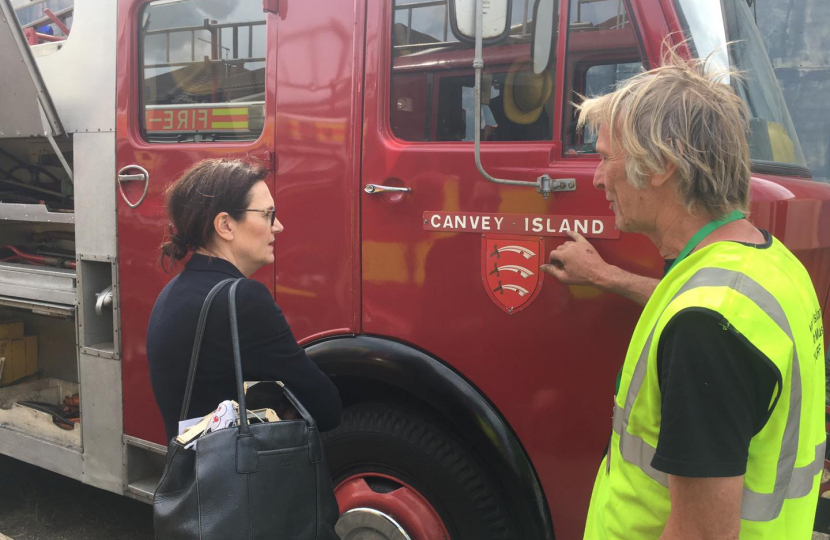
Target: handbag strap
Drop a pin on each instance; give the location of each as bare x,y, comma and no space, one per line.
237,360
237,364
197,344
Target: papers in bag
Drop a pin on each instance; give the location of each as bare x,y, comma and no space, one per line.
226,415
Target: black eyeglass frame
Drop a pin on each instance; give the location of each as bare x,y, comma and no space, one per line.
272,212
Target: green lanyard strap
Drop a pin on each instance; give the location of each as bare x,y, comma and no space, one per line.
705,231
698,237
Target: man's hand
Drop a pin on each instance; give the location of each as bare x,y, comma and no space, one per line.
576,262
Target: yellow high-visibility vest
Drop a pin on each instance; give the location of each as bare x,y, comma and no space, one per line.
766,296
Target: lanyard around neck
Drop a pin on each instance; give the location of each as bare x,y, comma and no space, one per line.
705,231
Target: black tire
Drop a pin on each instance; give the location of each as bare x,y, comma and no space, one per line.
386,439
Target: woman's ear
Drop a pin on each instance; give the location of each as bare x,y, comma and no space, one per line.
223,224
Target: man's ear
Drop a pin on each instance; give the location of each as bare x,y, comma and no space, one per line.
657,180
224,224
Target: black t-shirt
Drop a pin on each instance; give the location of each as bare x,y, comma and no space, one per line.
717,392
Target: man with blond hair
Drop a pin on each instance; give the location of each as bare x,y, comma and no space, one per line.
718,428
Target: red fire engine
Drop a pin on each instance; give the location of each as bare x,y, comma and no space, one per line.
477,394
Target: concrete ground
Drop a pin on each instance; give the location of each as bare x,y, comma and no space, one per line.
36,504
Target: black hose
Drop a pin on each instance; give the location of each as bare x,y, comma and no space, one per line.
55,410
23,165
34,168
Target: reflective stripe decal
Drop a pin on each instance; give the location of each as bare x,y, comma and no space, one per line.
790,482
636,451
766,506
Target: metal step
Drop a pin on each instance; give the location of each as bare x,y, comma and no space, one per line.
143,489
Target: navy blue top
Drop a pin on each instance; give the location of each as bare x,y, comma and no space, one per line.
269,350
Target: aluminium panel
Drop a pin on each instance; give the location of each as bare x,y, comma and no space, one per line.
37,213
81,75
53,285
53,457
101,411
27,109
95,197
39,308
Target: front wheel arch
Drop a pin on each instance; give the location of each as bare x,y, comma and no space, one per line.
367,368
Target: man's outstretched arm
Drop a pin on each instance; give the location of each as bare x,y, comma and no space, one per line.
577,262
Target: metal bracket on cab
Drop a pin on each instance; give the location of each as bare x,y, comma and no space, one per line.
546,184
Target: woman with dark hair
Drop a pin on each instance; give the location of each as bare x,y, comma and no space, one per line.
221,211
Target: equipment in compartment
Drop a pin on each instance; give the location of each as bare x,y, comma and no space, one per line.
41,257
18,353
17,416
36,178
49,248
64,415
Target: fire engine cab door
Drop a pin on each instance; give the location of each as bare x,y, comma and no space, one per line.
27,109
191,85
423,266
451,266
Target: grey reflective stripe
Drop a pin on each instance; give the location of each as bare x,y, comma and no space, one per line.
636,451
790,482
766,506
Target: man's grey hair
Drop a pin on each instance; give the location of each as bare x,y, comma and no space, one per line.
685,115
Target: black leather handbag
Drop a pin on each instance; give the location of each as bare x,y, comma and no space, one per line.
251,481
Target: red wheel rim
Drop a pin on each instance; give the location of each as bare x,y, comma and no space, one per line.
405,505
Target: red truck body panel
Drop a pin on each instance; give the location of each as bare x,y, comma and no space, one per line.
350,263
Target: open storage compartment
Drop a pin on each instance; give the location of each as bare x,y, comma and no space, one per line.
32,405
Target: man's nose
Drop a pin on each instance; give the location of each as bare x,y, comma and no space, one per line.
599,180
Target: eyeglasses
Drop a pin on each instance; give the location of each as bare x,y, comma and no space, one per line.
269,213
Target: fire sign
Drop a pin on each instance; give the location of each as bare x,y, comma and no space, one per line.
195,120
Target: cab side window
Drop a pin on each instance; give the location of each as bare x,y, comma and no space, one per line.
602,52
202,70
432,80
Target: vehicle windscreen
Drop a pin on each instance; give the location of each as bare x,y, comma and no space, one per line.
711,24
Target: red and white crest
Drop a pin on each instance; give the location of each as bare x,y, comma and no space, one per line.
510,270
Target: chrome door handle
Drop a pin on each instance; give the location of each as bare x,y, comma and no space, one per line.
131,177
377,188
141,176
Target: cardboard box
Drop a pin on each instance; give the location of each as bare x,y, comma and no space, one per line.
6,353
31,355
11,329
18,359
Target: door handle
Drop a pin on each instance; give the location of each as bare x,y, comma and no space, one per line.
141,176
377,188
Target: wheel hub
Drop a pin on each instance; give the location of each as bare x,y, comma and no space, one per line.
373,503
368,524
